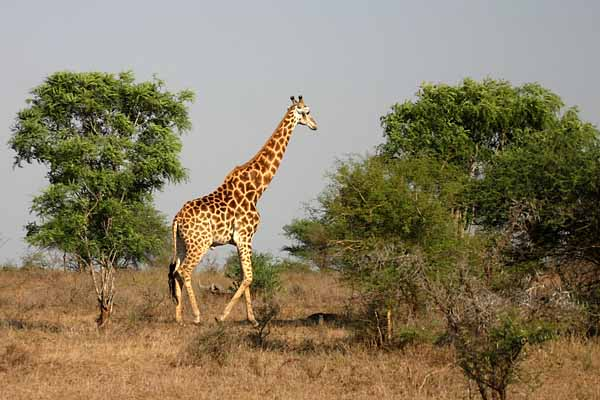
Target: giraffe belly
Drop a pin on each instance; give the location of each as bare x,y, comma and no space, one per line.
221,240
222,234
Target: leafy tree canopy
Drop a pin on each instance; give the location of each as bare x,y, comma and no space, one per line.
465,125
108,143
407,199
310,242
529,159
552,182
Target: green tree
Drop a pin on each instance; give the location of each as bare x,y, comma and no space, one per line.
508,163
521,149
310,242
108,143
386,222
553,179
407,199
546,193
466,124
530,172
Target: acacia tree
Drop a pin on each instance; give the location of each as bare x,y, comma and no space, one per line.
519,146
108,143
554,178
385,223
310,242
466,124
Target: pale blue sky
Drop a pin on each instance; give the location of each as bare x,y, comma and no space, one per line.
350,59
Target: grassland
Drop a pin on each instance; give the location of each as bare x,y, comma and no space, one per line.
50,348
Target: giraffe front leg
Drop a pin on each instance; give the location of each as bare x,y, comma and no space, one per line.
245,254
249,310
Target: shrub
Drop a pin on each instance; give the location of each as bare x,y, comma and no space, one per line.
14,356
216,344
265,314
489,332
265,282
386,277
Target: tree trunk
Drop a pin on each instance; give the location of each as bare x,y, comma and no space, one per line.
482,391
105,291
105,312
390,327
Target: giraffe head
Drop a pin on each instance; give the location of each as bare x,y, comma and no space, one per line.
302,111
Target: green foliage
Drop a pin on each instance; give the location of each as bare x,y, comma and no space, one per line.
408,199
530,173
465,125
490,355
265,273
108,144
385,272
389,222
310,242
553,179
522,153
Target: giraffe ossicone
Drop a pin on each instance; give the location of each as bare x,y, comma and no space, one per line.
228,215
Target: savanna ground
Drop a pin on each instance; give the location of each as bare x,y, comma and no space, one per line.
50,348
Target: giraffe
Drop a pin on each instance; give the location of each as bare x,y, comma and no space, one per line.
229,216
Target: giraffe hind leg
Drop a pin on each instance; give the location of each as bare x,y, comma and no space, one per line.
175,284
178,283
185,274
173,267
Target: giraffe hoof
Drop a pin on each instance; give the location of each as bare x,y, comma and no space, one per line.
254,324
218,320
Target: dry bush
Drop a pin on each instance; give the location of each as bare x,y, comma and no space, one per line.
489,332
264,315
215,345
582,280
146,297
387,279
14,356
149,308
308,292
546,299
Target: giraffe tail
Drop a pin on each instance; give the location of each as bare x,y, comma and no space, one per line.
174,266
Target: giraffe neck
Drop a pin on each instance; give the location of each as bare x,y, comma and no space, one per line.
268,158
254,176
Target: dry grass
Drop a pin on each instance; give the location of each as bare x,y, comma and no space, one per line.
50,349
